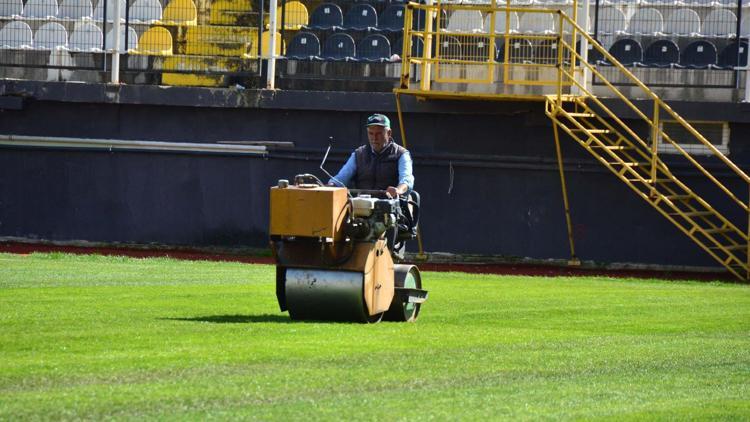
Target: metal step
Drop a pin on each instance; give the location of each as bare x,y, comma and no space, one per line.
590,131
581,114
693,214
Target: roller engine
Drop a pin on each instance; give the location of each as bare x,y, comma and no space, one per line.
334,253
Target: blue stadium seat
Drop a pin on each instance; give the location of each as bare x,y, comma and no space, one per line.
661,53
699,55
304,45
734,55
339,46
326,16
417,47
374,47
627,51
392,18
361,17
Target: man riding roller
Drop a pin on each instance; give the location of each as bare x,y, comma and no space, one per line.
381,165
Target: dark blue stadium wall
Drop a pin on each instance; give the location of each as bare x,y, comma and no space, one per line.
486,171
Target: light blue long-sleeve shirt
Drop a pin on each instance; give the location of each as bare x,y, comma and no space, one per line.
347,173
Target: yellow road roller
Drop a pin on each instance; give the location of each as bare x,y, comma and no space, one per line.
334,253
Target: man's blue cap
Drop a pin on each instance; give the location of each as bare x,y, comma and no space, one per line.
378,120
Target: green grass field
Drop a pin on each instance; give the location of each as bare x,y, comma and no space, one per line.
104,337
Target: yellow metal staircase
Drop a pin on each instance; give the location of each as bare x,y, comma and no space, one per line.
651,179
637,162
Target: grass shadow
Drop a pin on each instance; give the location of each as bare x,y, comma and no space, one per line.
235,319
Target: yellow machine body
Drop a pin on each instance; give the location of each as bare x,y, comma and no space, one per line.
310,212
323,274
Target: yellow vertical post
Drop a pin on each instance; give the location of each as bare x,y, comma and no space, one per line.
427,46
573,258
747,272
654,147
406,49
420,254
559,62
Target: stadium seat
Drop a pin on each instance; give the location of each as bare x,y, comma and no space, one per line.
611,21
745,27
74,9
304,45
265,39
374,47
419,20
699,55
392,18
501,22
545,52
145,11
16,35
51,36
155,41
646,21
109,39
719,23
476,48
465,21
417,47
734,55
295,16
683,22
180,12
519,51
99,10
594,55
326,16
10,8
339,47
361,17
536,23
627,51
40,9
86,37
661,53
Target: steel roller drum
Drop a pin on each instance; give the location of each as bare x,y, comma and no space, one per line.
326,295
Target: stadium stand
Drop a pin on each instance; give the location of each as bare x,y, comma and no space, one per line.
99,10
304,46
417,47
502,23
16,35
86,37
719,23
536,23
612,21
375,47
155,41
683,22
11,8
339,46
40,9
326,16
627,51
646,21
293,16
734,54
392,18
180,12
75,9
661,53
699,55
465,21
361,17
51,36
145,11
132,39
